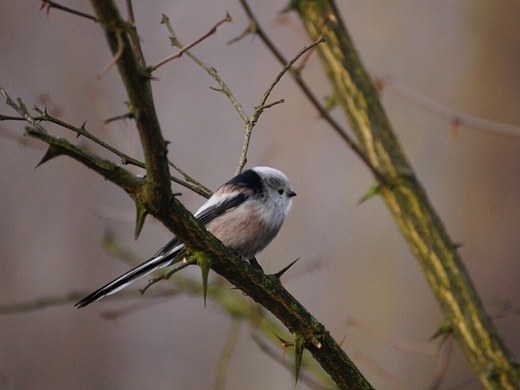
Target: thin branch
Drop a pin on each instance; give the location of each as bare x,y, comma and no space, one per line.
402,344
125,159
391,379
225,356
407,199
211,71
82,131
47,4
189,46
114,59
122,117
443,362
313,99
72,297
262,106
455,117
167,275
134,38
206,191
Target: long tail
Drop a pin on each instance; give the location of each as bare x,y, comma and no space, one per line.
143,269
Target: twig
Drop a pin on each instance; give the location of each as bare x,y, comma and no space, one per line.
167,275
128,115
402,344
82,131
134,38
187,47
125,159
313,99
443,362
261,107
225,356
188,178
211,71
115,58
381,372
47,4
456,118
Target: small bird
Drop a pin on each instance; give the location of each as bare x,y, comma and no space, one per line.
245,214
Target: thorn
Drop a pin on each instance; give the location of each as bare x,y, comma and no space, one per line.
205,266
279,274
373,190
51,153
47,6
140,218
285,344
445,328
298,355
164,19
331,101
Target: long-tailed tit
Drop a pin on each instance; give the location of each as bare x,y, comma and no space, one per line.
245,214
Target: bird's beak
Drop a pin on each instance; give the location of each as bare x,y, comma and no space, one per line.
291,194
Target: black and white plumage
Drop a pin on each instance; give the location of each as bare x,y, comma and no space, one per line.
245,214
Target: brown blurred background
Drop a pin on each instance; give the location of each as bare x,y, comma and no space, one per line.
465,55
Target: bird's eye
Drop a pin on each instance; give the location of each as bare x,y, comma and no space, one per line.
280,191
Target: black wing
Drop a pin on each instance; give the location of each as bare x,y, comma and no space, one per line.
214,211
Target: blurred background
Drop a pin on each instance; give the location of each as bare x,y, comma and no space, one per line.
356,273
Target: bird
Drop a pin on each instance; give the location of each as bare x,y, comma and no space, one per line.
245,214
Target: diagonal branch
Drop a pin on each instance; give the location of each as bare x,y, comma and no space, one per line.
190,45
407,200
157,195
47,4
262,106
310,95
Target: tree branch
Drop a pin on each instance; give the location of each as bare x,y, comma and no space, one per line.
190,45
407,200
157,195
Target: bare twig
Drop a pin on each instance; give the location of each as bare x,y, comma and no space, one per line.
310,95
167,275
115,58
47,4
262,106
381,372
211,71
189,179
455,117
82,131
134,38
402,344
125,159
187,47
225,356
443,362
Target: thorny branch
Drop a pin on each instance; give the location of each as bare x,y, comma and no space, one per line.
47,4
262,106
310,95
189,46
249,122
